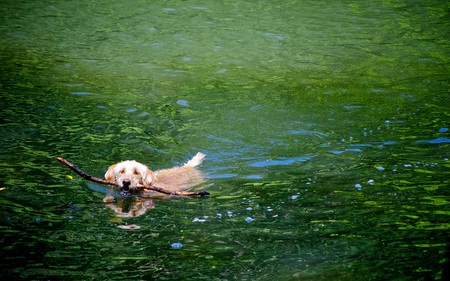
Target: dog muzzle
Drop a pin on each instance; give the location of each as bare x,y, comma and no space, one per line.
126,185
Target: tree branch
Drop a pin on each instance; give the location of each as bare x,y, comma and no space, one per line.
145,187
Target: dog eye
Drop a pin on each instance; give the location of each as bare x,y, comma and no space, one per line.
122,171
136,172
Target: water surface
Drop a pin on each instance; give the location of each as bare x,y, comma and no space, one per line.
325,125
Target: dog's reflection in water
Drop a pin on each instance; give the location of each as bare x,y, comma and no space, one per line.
129,206
129,175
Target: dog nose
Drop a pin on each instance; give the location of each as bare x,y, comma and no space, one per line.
126,184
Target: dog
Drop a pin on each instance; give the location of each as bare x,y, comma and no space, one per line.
131,175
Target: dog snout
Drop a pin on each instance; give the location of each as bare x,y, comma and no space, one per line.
126,184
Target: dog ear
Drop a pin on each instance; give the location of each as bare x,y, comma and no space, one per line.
110,175
149,177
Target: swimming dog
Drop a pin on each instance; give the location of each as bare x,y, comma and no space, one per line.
132,177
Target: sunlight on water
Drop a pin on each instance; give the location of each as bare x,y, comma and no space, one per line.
324,124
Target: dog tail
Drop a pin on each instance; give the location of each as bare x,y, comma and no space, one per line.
196,160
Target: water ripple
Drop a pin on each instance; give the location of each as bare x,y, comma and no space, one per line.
308,133
435,141
280,161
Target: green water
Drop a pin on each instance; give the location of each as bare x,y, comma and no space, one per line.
326,125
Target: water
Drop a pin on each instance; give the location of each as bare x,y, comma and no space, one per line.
325,125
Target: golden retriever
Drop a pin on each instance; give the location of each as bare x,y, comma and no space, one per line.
130,176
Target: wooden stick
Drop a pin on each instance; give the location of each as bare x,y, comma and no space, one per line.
83,174
173,192
145,187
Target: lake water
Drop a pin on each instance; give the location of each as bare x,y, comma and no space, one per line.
326,125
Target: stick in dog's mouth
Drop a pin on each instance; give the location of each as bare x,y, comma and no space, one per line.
126,187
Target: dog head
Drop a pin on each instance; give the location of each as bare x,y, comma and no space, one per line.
129,174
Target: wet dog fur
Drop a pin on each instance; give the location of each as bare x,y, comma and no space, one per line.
128,175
